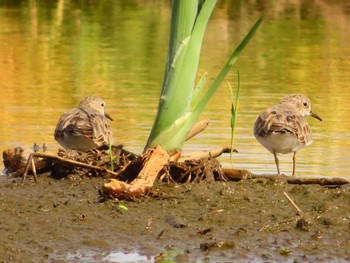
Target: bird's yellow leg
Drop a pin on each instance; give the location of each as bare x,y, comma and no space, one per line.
294,162
277,162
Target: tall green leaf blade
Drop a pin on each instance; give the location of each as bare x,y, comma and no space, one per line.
176,103
171,106
189,70
182,21
198,90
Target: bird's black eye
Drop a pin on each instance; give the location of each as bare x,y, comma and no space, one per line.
305,103
102,104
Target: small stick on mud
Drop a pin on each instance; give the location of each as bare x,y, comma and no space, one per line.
292,202
213,153
160,234
31,163
34,169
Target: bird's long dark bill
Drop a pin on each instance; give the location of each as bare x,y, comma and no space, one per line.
109,117
315,116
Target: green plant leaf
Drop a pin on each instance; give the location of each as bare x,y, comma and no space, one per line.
234,109
176,97
198,90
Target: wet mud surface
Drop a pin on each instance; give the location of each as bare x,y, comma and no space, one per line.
68,220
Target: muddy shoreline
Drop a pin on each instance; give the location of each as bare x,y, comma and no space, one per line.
67,219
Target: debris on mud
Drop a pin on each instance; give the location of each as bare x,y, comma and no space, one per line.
152,163
132,175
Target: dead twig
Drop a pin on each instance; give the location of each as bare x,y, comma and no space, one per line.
292,202
31,157
30,163
213,153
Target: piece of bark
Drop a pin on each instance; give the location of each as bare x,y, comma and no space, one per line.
16,159
197,128
154,161
175,156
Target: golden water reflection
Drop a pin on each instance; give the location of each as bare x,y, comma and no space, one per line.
53,53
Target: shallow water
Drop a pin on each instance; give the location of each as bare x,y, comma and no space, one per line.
53,53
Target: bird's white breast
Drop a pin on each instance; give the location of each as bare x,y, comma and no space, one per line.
280,142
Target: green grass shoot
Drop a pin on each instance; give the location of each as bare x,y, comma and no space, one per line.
234,109
111,156
123,207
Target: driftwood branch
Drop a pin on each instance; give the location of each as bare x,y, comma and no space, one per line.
213,153
154,161
237,175
80,164
31,164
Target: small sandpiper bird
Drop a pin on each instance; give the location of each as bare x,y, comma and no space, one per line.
85,127
283,128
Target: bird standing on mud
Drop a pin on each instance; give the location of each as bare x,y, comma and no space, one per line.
283,128
85,127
